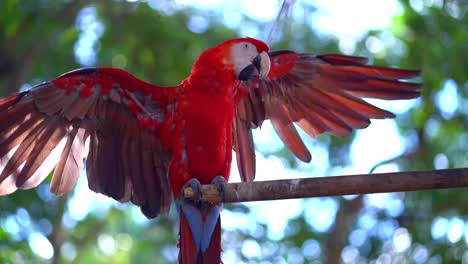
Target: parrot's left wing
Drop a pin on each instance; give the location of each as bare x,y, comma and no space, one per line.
319,93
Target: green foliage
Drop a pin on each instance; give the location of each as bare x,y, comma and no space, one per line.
38,40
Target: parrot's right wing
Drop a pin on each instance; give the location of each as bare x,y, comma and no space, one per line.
319,93
105,115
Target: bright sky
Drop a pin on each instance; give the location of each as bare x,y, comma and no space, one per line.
346,20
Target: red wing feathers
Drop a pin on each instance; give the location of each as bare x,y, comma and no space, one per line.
104,115
320,94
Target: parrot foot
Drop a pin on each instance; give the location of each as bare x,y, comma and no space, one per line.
220,183
195,185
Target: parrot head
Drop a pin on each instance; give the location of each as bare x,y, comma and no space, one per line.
242,58
250,59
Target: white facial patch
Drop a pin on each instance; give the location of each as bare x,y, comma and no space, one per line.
242,55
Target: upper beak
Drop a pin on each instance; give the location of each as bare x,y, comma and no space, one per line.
262,63
260,67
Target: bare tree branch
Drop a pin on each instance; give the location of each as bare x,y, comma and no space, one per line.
335,186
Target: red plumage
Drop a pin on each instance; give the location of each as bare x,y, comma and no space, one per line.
143,142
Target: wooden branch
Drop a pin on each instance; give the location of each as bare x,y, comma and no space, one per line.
335,186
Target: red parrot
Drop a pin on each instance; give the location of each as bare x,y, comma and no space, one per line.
144,143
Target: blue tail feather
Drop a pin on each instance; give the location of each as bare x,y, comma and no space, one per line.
202,223
200,233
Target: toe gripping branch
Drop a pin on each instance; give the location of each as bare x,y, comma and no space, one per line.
213,193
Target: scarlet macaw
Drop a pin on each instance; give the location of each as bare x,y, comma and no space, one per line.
143,141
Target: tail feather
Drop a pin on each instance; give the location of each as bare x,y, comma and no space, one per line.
213,252
200,235
188,249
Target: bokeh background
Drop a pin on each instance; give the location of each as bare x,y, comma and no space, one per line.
158,41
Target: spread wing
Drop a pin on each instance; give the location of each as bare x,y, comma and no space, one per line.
104,114
317,93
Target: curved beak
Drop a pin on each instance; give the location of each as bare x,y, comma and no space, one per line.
263,66
259,68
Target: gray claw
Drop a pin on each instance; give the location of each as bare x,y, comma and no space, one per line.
220,183
196,188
